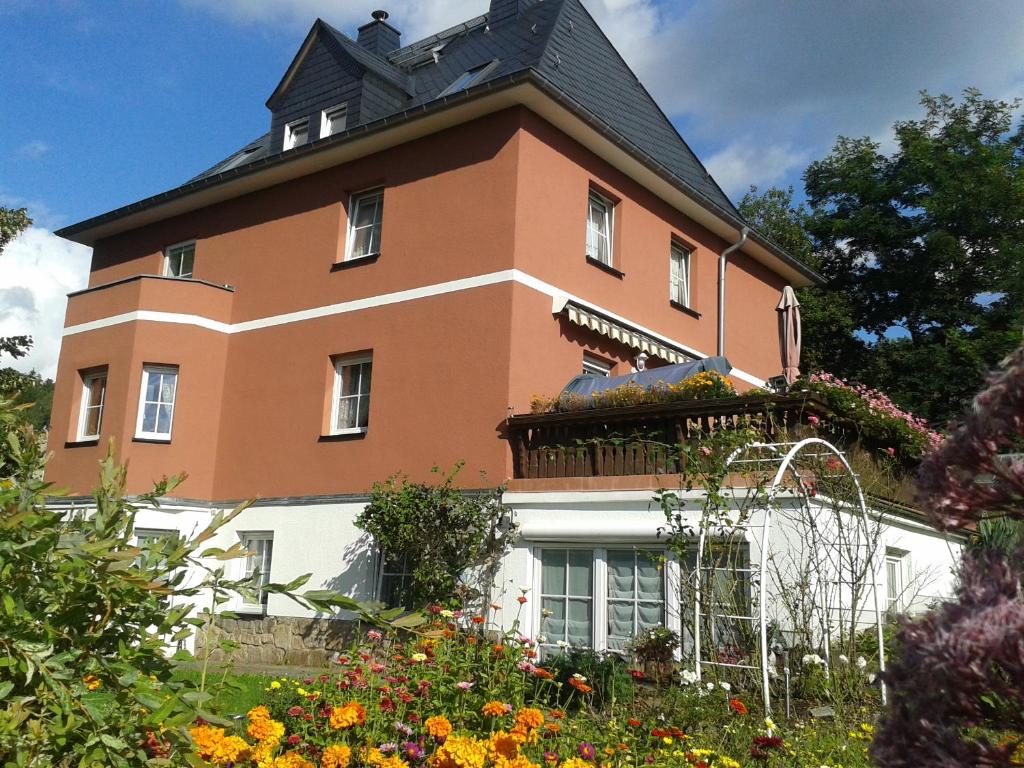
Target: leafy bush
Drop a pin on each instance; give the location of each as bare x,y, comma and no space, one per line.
444,535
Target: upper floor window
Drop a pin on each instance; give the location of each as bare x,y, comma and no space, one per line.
350,411
180,260
94,394
296,133
679,275
365,213
595,366
156,402
260,546
599,228
333,120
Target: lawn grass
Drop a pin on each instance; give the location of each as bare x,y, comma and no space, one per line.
233,693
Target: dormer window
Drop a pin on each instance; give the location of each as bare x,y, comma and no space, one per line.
333,120
296,134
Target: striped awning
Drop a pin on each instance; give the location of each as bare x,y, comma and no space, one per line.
624,334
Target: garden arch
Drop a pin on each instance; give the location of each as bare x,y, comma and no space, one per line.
794,471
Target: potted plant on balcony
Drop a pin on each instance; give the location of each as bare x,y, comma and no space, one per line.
654,649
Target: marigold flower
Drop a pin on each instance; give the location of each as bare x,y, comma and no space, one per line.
213,746
460,752
347,716
575,762
291,760
438,727
529,718
336,756
262,728
495,709
738,706
91,682
505,745
556,714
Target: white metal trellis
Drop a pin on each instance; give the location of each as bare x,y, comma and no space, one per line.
786,458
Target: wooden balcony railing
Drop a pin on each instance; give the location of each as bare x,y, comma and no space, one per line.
643,439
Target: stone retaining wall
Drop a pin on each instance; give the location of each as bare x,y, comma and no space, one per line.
281,640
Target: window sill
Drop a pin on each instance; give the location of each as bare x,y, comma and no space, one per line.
153,440
340,437
348,263
684,309
85,442
606,267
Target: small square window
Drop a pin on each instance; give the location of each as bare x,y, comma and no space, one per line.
350,411
365,215
595,366
394,581
180,260
260,546
296,134
94,395
156,402
679,275
599,228
333,120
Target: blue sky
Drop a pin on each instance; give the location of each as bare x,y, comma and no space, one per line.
104,103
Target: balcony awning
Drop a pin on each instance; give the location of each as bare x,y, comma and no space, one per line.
624,334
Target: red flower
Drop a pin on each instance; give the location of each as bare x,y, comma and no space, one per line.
737,706
637,674
521,599
632,723
295,711
478,619
294,739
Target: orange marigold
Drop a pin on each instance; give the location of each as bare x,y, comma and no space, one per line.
495,709
265,730
460,752
529,718
347,716
556,714
438,726
377,759
291,760
258,713
504,745
336,756
214,747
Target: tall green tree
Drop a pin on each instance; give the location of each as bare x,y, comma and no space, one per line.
12,382
829,342
926,244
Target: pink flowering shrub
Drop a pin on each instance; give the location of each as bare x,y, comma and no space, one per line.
878,419
958,680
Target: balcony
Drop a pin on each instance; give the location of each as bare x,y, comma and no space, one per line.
641,439
149,293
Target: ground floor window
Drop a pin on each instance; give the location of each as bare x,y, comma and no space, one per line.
393,581
260,546
598,597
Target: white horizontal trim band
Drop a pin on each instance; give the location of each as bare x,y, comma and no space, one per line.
397,297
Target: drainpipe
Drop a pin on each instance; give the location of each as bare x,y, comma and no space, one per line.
721,286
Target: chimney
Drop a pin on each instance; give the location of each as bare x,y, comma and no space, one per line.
379,36
503,10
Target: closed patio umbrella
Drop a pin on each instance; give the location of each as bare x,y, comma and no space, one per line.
789,334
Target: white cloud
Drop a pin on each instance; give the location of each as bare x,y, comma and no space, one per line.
745,162
39,270
33,149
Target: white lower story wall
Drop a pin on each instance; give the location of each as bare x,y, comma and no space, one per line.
595,560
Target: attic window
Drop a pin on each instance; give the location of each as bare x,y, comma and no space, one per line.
333,120
239,159
468,78
296,134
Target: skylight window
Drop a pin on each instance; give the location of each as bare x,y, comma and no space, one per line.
468,78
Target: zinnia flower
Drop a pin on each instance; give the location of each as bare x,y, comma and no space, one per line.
587,751
737,706
347,716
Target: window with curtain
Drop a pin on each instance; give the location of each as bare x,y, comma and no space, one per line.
567,596
726,606
679,275
599,228
636,594
351,409
366,214
156,402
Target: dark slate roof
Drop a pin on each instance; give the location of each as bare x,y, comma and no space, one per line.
556,39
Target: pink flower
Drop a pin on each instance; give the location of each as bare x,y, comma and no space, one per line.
373,634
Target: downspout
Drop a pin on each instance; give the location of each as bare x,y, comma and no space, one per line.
724,257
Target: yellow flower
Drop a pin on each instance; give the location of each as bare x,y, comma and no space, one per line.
262,728
575,762
336,756
460,752
91,682
438,726
494,709
418,657
214,747
726,762
291,760
504,745
274,685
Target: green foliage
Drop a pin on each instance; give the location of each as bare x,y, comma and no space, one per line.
928,240
445,535
86,618
12,222
655,645
706,385
31,390
607,674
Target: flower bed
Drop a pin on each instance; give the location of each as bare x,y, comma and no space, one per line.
457,697
702,386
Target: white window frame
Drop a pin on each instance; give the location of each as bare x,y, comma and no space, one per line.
354,203
148,370
88,381
339,364
595,366
896,561
599,588
265,565
169,252
290,131
609,224
329,115
679,285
